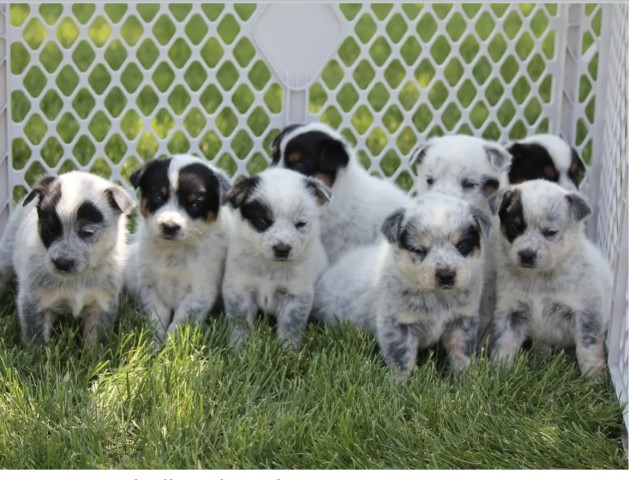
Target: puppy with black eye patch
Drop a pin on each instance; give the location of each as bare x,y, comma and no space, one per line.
67,245
420,286
553,284
473,169
545,157
177,263
361,202
275,252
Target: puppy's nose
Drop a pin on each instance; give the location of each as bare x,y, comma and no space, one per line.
63,264
281,250
527,258
445,277
170,229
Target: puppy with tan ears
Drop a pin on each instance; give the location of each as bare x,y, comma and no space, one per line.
553,284
275,252
472,169
67,244
361,201
545,157
421,286
177,262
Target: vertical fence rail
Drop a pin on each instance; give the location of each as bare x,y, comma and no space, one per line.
5,194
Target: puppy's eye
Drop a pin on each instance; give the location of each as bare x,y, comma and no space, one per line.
548,233
157,197
430,180
87,231
300,225
418,252
465,247
261,223
468,184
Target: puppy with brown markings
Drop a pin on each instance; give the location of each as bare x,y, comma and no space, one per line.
421,286
553,284
67,244
545,157
176,265
361,201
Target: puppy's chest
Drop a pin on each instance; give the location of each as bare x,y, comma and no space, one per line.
74,301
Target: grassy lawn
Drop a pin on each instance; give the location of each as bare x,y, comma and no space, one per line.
332,404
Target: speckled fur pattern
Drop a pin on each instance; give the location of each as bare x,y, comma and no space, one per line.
288,206
361,201
178,280
473,169
393,290
91,255
553,284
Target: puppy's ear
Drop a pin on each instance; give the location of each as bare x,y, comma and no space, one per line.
498,156
334,154
418,154
224,184
577,167
579,208
120,200
392,226
322,193
238,194
40,189
483,221
275,144
495,201
136,177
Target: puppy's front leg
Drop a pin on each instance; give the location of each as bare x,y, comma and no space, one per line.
96,323
192,309
399,344
240,310
35,321
508,334
459,340
292,318
589,340
160,314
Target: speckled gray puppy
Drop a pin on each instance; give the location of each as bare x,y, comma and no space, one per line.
420,286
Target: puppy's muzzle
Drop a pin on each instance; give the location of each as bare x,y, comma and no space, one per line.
445,277
527,258
281,250
170,230
64,265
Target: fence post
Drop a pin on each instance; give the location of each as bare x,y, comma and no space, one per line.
5,194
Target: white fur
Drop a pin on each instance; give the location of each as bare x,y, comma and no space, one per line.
254,278
394,293
91,291
565,299
178,280
360,205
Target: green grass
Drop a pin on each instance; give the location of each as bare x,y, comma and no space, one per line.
331,404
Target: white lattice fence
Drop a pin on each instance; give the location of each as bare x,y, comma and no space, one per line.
104,87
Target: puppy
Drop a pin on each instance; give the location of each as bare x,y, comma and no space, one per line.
473,169
553,284
420,286
275,253
66,243
176,265
361,202
546,157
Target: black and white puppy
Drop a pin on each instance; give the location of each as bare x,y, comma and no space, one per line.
361,202
545,157
177,261
553,284
67,244
473,169
420,287
275,252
